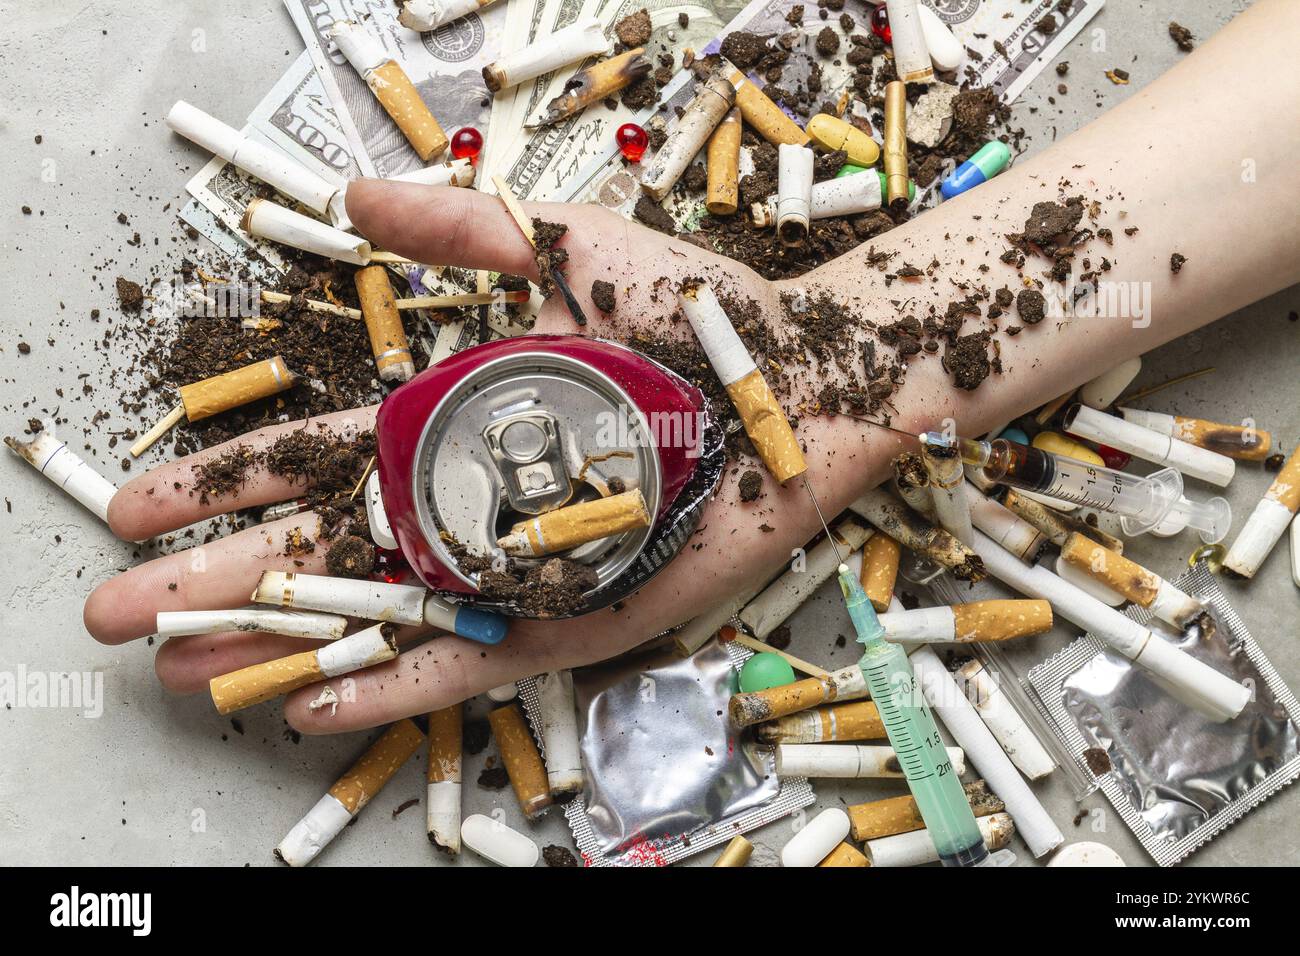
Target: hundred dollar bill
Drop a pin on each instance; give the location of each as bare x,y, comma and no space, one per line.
297,117
199,218
446,66
226,191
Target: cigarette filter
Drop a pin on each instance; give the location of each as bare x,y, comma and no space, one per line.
443,778
384,324
1086,583
495,841
842,196
986,755
1057,526
832,133
425,15
1004,526
948,488
350,793
1142,587
456,172
595,83
913,484
911,55
1007,726
820,835
845,855
1192,681
737,852
1267,522
882,818
917,848
880,557
574,525
1148,445
1101,392
268,220
848,761
762,415
232,389
61,465
982,621
783,596
701,116
696,632
262,682
579,41
756,706
270,165
794,192
522,760
859,720
559,719
764,116
910,530
896,140
1235,441
724,165
392,87
321,627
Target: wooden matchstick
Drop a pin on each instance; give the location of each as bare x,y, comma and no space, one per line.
526,227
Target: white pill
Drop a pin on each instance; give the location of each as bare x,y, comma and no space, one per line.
946,51
504,693
495,841
1086,854
1102,391
815,841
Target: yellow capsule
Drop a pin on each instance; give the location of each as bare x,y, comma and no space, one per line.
831,133
1058,444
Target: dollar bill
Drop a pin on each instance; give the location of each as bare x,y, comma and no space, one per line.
225,191
446,66
297,116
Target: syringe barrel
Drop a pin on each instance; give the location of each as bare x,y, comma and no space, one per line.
1078,482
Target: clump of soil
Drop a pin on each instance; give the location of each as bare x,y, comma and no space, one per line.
1047,220
967,360
130,295
1031,306
654,215
493,778
634,29
350,557
828,42
545,236
602,294
750,485
475,736
1181,36
1176,263
554,589
557,855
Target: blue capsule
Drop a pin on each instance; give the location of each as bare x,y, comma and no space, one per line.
988,161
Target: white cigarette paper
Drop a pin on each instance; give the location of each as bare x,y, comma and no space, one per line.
313,832
844,196
577,42
848,761
1267,522
948,488
1005,526
916,848
794,191
267,220
559,731
356,652
986,755
1150,446
425,15
320,627
783,596
1007,726
61,465
457,172
372,600
266,163
700,118
727,354
1194,682
911,55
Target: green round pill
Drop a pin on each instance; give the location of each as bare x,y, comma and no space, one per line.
763,671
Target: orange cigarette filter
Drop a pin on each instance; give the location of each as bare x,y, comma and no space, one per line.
522,759
367,776
401,100
880,557
388,340
232,389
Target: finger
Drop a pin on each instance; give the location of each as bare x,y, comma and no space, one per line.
184,665
220,574
165,498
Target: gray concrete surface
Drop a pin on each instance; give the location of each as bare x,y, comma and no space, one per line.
163,780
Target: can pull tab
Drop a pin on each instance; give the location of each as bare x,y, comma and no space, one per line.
526,449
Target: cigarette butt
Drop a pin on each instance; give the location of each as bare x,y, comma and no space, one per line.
832,133
305,624
859,720
952,509
880,557
522,760
737,853
697,122
1242,442
911,53
232,389
767,427
425,15
882,818
53,459
258,683
1056,525
724,166
895,142
574,525
582,39
443,777
558,720
1267,521
793,193
267,220
1148,445
595,83
917,847
819,836
756,706
845,855
848,761
1000,620
912,531
388,340
764,116
1004,721
1142,587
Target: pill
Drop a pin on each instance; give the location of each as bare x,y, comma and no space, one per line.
497,842
1086,854
989,160
1102,391
764,671
848,169
832,133
1015,435
946,51
822,834
504,693
1058,444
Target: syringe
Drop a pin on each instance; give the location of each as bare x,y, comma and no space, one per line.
914,735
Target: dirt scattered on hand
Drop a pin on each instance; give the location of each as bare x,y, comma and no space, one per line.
1176,262
602,294
750,485
350,557
547,254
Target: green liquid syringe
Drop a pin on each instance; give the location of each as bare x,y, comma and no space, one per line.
914,735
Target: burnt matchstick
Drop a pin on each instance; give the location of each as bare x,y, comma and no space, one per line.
526,227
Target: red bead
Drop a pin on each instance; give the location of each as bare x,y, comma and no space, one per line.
880,24
1113,457
632,141
466,143
391,566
